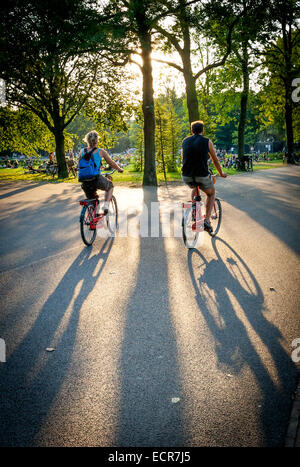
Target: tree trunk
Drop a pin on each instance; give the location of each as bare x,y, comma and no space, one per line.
60,153
243,114
162,152
173,154
190,82
148,112
191,96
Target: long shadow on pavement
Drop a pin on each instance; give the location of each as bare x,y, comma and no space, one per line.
276,213
220,282
45,228
28,186
148,367
31,378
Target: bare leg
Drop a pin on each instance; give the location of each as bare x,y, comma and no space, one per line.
108,194
194,193
210,199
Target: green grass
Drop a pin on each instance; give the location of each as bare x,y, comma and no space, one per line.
128,177
19,174
256,166
267,165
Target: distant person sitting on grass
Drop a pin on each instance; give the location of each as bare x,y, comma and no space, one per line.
51,158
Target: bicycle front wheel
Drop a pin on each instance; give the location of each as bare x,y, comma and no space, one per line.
88,235
190,236
112,216
216,217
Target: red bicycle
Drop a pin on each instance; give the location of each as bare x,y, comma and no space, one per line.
193,218
91,217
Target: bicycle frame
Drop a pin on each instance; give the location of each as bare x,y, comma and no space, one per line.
94,220
196,205
193,218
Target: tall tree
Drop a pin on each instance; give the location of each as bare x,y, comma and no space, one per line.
190,22
282,56
161,136
174,130
51,61
169,132
137,19
246,33
245,38
134,19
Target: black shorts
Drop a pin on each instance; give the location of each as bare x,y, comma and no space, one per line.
90,187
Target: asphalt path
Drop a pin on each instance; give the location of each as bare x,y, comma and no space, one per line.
154,344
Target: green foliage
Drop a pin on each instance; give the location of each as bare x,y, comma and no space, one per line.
55,65
274,80
161,136
122,144
22,131
61,65
136,137
168,134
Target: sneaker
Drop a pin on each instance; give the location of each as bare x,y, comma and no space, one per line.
207,226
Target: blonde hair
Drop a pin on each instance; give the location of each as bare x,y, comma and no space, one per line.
91,138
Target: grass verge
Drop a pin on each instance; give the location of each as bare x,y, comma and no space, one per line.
128,177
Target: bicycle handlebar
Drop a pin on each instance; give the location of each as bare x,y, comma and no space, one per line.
110,173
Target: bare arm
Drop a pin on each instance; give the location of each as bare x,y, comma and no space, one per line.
110,162
215,160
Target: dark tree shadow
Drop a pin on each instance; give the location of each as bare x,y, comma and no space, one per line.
148,367
218,281
29,186
48,227
276,209
31,378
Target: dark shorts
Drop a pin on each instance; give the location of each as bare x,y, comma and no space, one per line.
204,183
90,187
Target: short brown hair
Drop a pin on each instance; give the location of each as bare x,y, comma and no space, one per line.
197,127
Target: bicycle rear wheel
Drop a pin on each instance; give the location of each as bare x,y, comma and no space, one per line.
190,236
216,217
88,235
112,216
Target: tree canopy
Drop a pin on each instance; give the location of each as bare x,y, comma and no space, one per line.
66,65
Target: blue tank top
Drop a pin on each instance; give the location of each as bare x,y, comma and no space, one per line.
96,156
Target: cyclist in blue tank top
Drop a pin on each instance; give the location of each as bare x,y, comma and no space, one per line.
90,187
196,151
